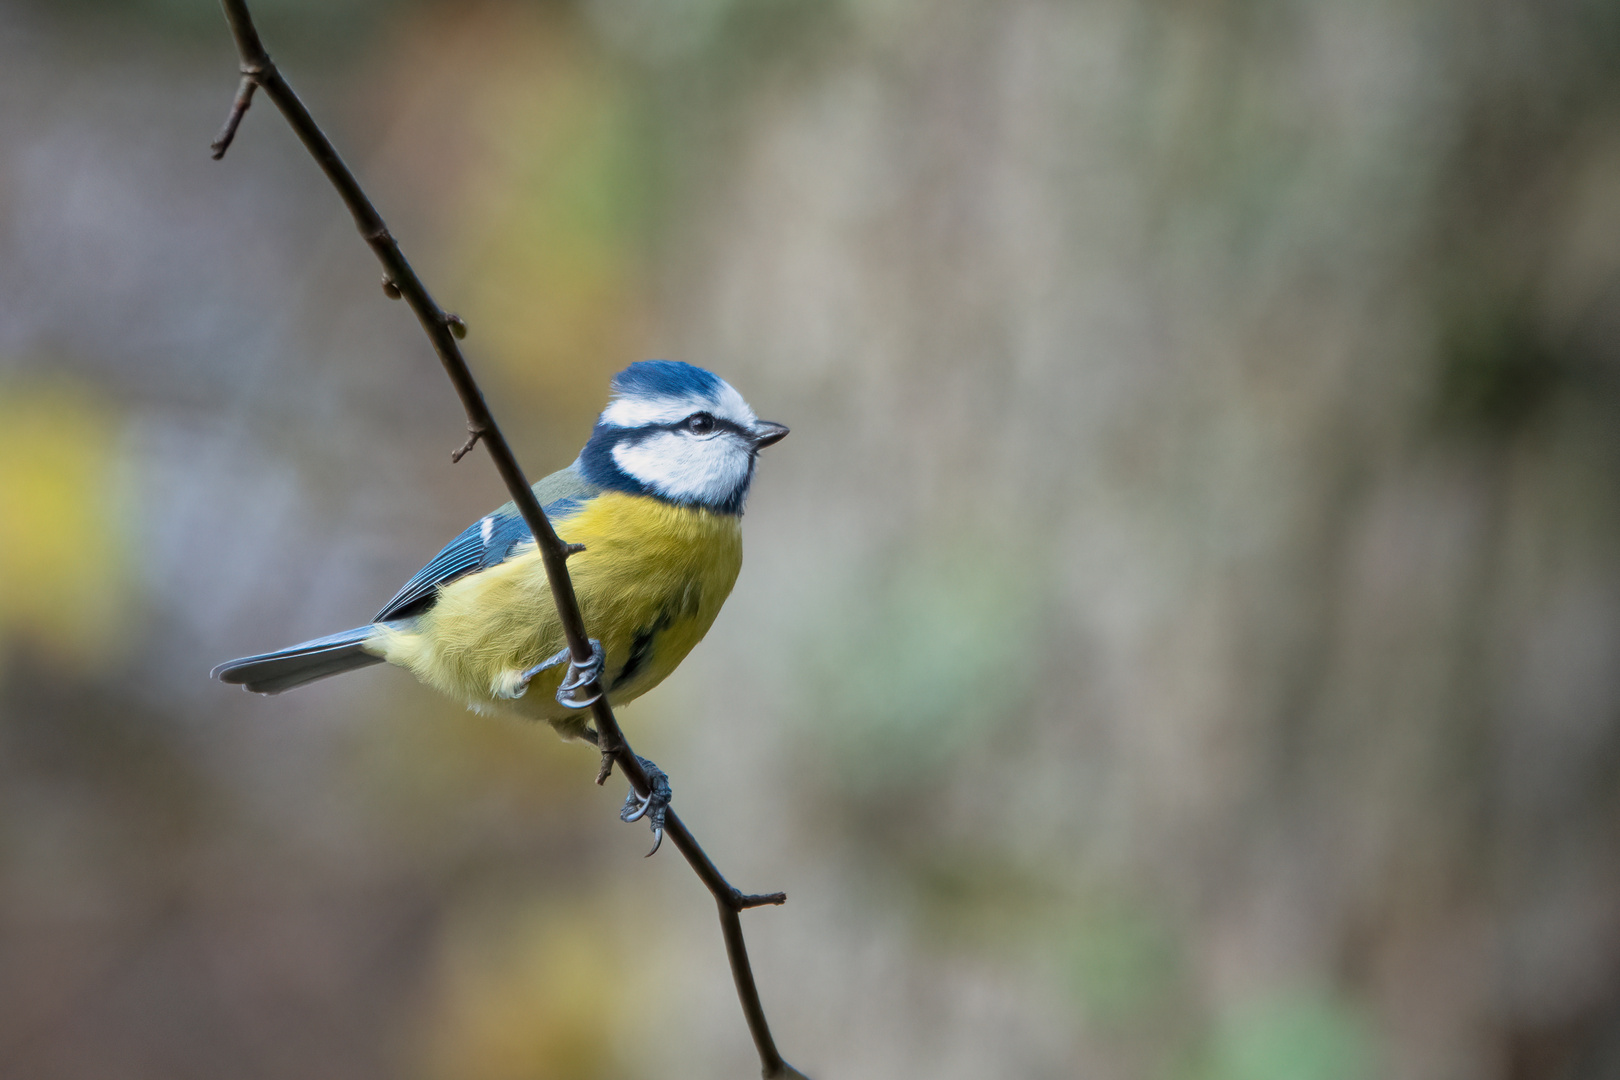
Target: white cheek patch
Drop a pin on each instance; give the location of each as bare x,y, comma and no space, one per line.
684,468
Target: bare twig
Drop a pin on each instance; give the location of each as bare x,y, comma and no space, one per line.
239,108
473,435
443,330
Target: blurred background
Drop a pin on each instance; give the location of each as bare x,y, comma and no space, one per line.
1180,640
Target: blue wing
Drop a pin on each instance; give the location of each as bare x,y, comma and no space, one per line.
488,542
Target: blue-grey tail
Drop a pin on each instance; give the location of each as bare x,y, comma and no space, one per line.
273,672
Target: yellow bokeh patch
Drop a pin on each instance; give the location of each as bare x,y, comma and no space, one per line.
62,561
528,992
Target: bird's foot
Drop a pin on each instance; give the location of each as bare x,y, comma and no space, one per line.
653,806
578,676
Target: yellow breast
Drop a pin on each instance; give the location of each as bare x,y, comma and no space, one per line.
650,582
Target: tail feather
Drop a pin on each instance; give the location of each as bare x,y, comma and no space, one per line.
273,672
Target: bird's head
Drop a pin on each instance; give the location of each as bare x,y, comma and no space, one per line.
677,433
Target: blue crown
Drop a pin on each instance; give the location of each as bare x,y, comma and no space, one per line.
666,378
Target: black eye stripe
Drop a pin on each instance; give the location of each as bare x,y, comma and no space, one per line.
720,424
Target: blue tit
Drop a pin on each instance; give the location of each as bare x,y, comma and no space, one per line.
655,498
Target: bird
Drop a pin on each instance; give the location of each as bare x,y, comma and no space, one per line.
654,500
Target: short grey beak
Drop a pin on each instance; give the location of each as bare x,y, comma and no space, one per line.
766,433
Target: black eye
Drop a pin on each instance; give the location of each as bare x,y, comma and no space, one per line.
700,423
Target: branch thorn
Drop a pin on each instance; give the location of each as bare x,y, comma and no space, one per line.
239,108
473,435
457,328
391,290
572,549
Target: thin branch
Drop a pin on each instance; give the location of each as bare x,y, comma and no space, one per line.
444,330
239,108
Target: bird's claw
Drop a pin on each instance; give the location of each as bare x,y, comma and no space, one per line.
578,676
581,675
653,806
